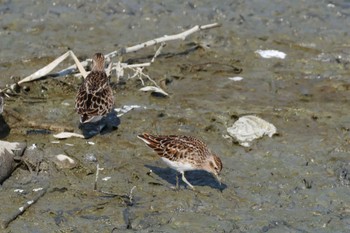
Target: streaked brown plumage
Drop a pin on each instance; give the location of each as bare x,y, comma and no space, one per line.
184,153
95,96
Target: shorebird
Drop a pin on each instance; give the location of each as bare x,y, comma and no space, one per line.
184,153
95,96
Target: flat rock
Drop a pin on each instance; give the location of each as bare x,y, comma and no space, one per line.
8,151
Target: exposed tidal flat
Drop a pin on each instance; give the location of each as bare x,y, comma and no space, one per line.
296,181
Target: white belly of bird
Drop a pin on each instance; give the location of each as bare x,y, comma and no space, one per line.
93,119
179,166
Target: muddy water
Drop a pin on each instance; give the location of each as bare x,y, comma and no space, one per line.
297,181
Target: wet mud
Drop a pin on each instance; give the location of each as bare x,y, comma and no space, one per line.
296,181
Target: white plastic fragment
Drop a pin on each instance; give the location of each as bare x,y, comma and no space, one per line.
65,135
236,79
154,89
32,147
106,178
30,202
271,54
18,190
37,189
248,128
126,108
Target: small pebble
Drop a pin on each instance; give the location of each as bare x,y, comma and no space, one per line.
63,161
90,157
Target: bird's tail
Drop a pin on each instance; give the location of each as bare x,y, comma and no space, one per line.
149,139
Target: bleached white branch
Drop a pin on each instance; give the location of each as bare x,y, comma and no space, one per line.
163,39
80,65
182,36
47,69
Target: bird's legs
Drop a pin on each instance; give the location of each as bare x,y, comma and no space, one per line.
177,187
185,180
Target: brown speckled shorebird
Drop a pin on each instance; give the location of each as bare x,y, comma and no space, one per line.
184,153
95,96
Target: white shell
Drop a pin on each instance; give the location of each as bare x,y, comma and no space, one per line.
154,89
63,161
64,135
64,157
236,79
248,128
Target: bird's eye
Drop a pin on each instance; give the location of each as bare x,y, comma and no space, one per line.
213,165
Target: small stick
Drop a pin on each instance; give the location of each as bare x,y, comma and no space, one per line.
139,70
24,123
130,194
21,210
162,45
56,128
98,169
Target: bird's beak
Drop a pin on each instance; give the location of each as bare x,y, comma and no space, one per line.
218,178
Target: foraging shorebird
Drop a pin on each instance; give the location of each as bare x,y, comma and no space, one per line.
95,96
184,153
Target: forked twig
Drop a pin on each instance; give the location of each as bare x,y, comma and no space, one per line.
139,73
47,69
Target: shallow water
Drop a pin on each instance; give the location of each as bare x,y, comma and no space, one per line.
297,181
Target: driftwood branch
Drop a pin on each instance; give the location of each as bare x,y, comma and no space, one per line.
179,36
45,70
137,68
162,39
